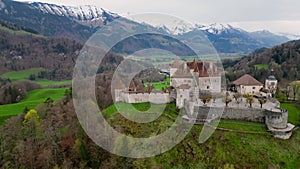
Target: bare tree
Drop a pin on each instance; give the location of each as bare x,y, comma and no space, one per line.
205,97
227,99
249,99
236,96
262,101
295,87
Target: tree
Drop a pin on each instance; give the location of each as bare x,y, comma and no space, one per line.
32,77
295,88
262,101
227,99
31,117
249,99
236,96
205,98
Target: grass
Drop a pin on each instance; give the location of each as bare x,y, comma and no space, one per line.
223,149
18,32
160,85
43,82
24,75
242,126
33,99
261,66
294,112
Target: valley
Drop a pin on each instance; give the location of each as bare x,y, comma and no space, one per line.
254,76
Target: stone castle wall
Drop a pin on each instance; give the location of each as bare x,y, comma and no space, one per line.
254,115
157,98
270,118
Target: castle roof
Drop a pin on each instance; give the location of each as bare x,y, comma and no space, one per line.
272,77
176,64
247,80
204,69
182,72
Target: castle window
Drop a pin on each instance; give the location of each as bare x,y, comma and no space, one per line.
207,87
253,88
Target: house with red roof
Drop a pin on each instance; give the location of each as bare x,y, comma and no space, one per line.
248,85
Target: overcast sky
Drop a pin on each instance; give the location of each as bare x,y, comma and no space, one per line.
273,15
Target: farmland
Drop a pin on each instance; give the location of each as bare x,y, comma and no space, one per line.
33,99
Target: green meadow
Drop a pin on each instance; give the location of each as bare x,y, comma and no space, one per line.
24,75
33,99
244,145
261,66
160,85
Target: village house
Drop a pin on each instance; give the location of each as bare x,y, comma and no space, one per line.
248,85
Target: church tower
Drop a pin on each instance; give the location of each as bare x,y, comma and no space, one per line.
271,83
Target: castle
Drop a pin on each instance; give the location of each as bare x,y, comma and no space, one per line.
188,80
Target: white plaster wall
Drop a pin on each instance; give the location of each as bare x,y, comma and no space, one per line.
157,98
176,82
182,94
214,84
249,89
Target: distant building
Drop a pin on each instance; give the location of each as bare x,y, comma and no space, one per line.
271,84
248,85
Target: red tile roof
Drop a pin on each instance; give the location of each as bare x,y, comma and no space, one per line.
247,80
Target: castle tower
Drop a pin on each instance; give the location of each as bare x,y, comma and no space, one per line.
271,83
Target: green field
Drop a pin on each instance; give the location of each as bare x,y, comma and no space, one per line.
33,99
261,66
224,149
18,32
160,85
294,112
24,75
239,125
43,82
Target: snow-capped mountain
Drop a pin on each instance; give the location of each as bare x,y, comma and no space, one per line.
289,35
89,15
81,22
177,27
217,28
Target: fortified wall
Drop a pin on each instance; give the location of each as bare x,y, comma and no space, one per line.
134,97
276,119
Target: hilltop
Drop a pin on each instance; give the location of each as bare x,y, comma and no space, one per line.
59,141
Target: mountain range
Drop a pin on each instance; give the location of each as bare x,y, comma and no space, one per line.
81,22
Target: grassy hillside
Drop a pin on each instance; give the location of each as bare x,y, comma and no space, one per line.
294,112
24,75
33,99
238,149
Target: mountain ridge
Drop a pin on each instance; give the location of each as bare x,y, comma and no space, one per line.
80,23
